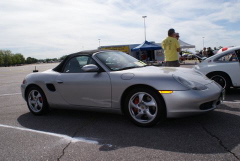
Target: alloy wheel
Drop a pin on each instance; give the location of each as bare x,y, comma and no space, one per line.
142,107
35,101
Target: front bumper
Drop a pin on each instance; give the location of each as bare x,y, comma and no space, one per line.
23,88
192,102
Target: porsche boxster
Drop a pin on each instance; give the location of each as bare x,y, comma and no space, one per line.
114,81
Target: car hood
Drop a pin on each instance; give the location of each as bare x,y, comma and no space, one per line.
152,71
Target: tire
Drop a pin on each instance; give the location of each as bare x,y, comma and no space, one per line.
36,101
222,79
144,107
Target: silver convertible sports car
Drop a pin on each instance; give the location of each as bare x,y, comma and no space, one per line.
114,81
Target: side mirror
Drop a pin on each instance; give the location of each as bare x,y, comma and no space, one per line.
90,68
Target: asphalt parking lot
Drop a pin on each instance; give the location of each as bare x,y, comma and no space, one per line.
81,135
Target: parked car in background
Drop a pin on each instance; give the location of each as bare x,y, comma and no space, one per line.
223,67
200,57
188,55
114,81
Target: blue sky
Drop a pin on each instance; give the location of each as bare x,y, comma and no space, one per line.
53,28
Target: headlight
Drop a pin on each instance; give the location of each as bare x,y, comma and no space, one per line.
190,84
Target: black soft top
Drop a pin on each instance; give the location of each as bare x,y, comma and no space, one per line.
86,52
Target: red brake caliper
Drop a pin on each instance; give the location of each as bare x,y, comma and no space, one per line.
40,99
135,101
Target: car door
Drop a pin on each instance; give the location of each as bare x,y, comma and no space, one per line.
237,59
81,88
230,64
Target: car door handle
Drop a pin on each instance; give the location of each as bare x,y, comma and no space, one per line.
59,81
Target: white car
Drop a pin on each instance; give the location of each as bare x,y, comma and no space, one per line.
223,49
223,67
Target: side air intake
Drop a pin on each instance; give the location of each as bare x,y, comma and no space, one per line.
51,87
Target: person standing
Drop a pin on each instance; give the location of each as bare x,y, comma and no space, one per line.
177,37
204,52
209,52
171,48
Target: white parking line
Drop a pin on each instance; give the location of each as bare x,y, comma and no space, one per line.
68,138
9,94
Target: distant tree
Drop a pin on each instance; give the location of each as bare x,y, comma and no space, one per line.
22,58
14,59
19,58
1,58
30,60
63,57
47,60
7,58
54,59
41,60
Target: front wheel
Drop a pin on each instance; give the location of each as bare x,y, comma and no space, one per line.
144,107
221,79
36,101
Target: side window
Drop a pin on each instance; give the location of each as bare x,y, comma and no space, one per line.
230,57
75,64
238,54
82,60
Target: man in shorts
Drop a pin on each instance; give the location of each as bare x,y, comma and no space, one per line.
171,48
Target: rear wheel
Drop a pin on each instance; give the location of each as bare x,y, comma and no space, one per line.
222,79
36,101
144,107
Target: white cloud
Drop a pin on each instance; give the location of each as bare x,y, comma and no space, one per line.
42,28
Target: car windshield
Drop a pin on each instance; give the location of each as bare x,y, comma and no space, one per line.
116,60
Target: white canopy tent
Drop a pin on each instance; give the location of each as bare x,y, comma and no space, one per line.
185,45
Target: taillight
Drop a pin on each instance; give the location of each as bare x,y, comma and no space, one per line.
223,49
